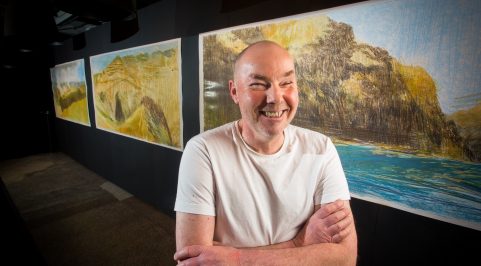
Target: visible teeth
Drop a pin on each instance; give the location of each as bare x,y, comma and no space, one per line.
273,114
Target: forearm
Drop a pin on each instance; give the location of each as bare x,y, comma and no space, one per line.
286,253
317,254
282,245
193,229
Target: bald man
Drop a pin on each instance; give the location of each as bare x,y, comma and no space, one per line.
260,190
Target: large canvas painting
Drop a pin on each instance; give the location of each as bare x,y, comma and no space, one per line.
70,92
137,93
395,84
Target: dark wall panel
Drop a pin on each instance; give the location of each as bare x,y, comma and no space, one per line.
389,236
190,84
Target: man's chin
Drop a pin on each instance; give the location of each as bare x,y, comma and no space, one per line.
274,130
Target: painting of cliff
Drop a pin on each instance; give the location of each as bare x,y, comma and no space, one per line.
137,93
70,92
395,84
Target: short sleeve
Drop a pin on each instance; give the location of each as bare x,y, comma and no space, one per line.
332,184
195,189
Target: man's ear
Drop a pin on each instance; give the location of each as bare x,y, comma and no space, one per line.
233,91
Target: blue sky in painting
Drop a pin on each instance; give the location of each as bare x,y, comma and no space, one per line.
442,36
69,72
81,71
99,62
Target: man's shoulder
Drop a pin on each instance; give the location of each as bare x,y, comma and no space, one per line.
223,132
308,140
305,133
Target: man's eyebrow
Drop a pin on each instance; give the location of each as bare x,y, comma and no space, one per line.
258,76
261,77
289,73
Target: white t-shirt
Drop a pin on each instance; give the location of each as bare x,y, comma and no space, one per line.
258,199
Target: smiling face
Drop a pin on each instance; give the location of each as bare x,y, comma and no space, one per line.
265,89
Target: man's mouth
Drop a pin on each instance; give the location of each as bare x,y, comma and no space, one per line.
272,114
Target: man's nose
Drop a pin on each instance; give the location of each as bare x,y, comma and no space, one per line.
274,94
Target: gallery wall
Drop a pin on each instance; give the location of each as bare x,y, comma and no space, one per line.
387,236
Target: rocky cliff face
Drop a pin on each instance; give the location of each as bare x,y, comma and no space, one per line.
356,92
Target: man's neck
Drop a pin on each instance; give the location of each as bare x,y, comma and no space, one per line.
262,144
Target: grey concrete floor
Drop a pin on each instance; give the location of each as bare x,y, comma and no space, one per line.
76,217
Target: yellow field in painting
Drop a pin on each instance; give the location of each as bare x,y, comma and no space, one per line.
71,104
77,111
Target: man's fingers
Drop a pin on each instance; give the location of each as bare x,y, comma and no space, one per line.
336,217
337,238
340,230
340,221
337,227
188,252
330,208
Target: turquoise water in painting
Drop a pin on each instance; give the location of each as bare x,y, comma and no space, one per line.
444,189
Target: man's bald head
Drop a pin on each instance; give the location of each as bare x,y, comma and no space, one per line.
258,49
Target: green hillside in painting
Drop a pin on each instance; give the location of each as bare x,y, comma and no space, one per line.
468,123
138,95
351,91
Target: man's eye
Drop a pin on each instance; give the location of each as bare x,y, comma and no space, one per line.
258,86
286,83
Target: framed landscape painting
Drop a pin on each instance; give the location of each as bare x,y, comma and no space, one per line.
70,92
395,84
137,93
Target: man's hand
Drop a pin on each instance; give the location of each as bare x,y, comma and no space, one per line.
329,224
207,255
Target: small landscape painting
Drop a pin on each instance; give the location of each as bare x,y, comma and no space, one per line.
137,93
70,92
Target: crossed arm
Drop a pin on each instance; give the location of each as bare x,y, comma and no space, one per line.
327,238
